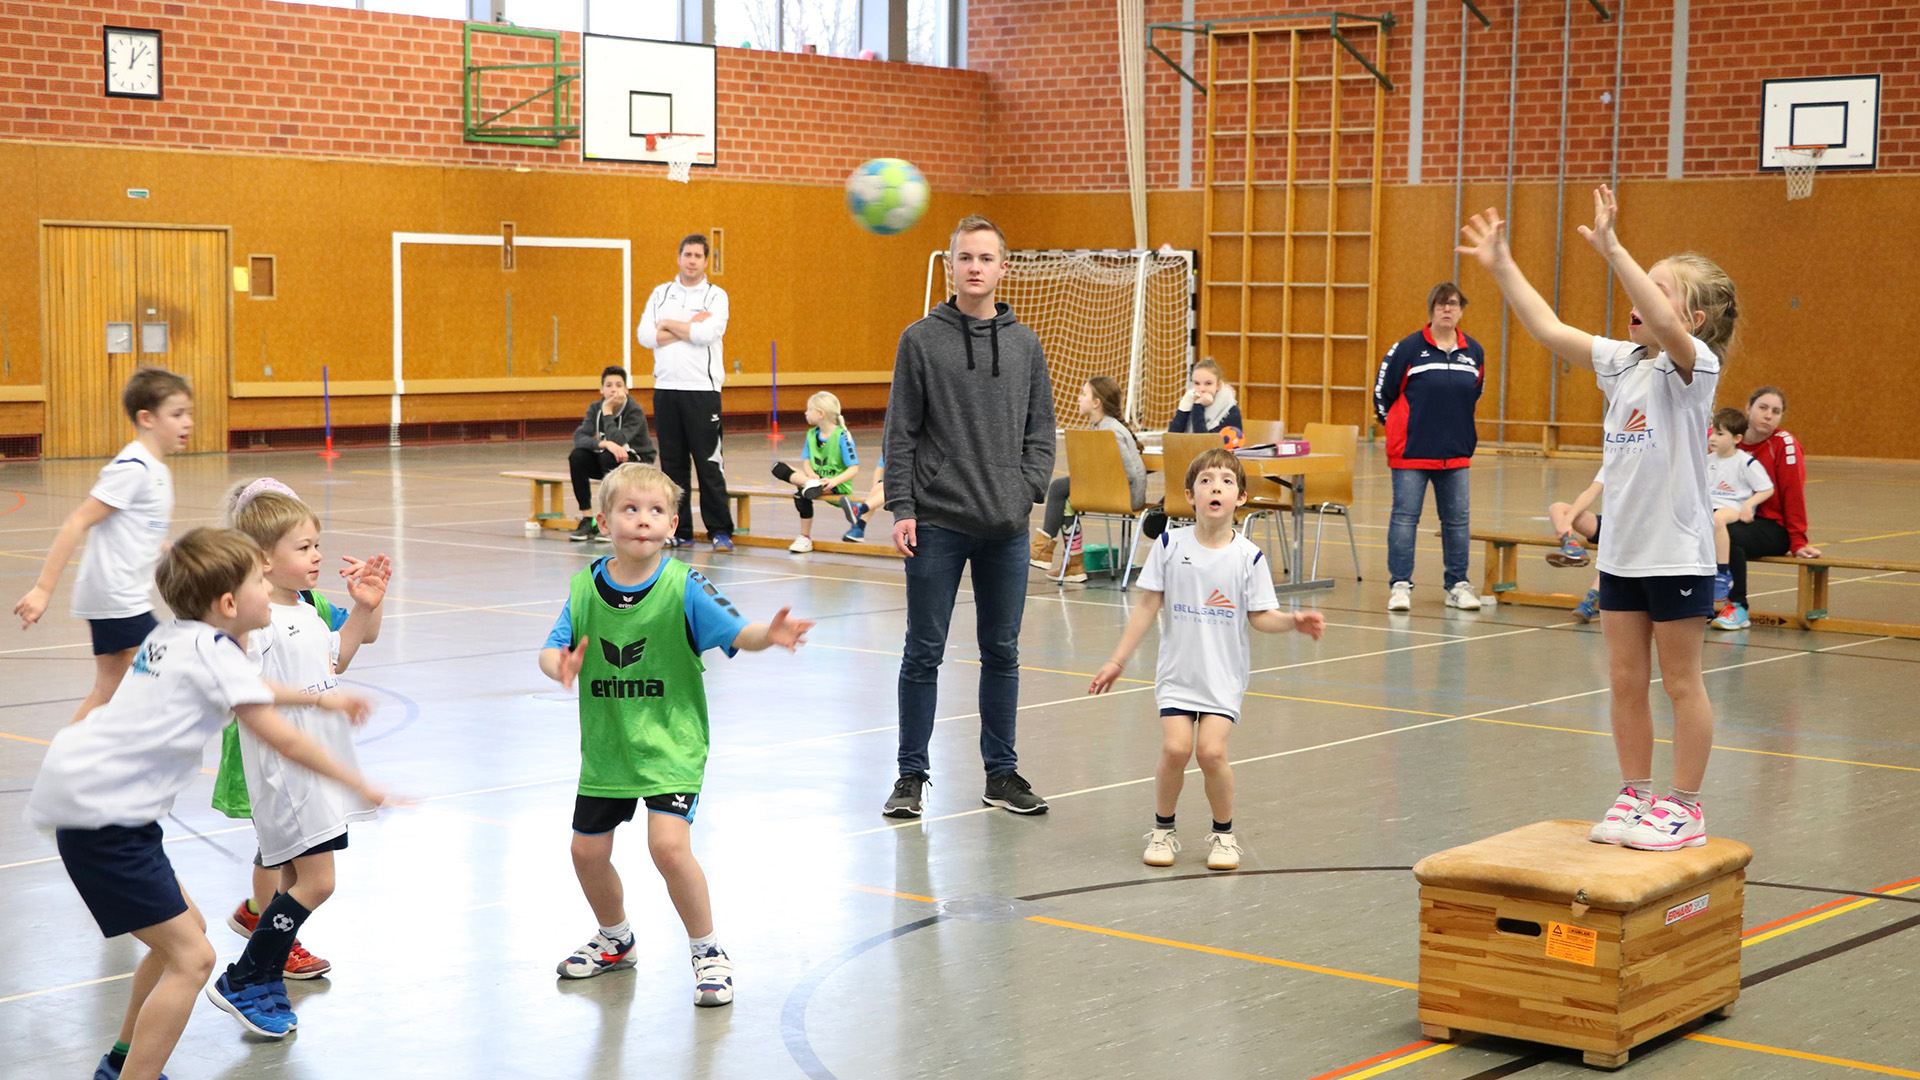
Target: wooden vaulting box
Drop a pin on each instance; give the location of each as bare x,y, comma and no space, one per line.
1539,934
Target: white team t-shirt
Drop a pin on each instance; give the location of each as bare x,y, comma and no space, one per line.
293,807
116,571
1659,520
1734,479
1205,658
124,763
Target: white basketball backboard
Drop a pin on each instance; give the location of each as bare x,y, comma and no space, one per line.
634,88
1839,112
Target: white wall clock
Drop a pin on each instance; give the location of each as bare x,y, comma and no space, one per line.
132,59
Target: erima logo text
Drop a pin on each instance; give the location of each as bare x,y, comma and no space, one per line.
627,688
622,655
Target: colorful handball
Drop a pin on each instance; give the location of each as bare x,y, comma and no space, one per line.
1232,438
887,195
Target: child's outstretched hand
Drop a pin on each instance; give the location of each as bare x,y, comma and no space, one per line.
1108,674
367,581
1605,212
356,708
1485,238
570,661
787,632
1310,623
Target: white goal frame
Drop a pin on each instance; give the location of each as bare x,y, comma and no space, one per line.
1158,347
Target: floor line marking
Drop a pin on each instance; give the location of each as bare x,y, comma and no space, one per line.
1418,1055
1229,953
1781,1051
1344,1070
24,738
1808,918
892,893
1716,746
45,648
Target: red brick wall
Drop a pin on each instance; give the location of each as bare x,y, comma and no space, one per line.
1054,102
265,76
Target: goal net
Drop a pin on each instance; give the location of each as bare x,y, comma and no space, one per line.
1124,314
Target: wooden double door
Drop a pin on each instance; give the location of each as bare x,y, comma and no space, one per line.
114,298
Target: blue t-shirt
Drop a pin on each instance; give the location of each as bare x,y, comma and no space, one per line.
712,620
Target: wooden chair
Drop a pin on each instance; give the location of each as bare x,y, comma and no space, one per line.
1099,489
1177,451
1256,432
1328,493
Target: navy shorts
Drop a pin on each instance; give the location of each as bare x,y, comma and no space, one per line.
1595,538
1664,599
123,874
597,814
1195,716
338,843
118,635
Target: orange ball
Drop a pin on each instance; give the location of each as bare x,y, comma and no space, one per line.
1232,438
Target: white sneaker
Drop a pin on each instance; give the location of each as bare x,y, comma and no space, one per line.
712,978
1669,826
598,956
1401,598
1463,597
1225,852
1627,810
1161,844
801,545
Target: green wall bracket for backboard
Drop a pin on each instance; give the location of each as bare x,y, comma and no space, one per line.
488,129
1385,22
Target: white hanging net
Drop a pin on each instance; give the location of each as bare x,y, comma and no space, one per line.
1799,163
680,151
1125,314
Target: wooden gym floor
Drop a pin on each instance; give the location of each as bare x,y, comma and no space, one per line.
974,943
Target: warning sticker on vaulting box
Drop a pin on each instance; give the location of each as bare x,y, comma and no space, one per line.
1683,912
1575,944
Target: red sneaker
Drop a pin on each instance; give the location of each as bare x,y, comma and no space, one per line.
243,920
302,964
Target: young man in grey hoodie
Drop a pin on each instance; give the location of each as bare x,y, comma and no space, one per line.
969,451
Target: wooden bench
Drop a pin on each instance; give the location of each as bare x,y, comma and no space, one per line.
549,511
1810,607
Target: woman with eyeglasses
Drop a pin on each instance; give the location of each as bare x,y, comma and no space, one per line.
1425,395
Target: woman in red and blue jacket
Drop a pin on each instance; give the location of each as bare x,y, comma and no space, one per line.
1425,394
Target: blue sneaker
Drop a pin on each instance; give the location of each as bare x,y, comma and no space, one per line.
1732,617
106,1071
1722,585
255,1007
855,534
722,544
1569,553
1588,607
676,542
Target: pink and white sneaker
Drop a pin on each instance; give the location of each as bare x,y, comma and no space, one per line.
1628,807
1669,826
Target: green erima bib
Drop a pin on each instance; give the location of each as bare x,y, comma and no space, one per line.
643,699
823,455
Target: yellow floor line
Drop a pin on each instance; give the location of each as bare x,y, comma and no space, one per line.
1760,1048
1229,953
24,738
1389,1066
890,892
1822,917
1728,749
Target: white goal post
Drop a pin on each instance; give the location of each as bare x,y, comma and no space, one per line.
1125,314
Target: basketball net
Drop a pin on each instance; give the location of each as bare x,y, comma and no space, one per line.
680,151
1800,163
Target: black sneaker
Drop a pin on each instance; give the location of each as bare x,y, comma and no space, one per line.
586,531
905,800
1011,790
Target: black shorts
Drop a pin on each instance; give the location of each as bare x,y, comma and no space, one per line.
1595,538
338,843
596,814
1195,716
118,635
1664,599
123,874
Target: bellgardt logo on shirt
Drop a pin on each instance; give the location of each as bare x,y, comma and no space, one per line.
1218,608
1633,437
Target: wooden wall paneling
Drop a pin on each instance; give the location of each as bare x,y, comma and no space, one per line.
19,252
181,279
582,289
87,281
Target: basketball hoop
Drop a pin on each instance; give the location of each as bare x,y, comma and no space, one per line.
1800,163
680,151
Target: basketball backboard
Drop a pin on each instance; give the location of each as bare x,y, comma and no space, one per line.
637,90
1840,112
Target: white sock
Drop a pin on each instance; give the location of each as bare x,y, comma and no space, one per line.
617,933
700,945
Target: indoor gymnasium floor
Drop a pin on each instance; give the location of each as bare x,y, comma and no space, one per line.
975,943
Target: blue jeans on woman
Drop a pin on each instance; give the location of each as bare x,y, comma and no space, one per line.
999,602
1450,493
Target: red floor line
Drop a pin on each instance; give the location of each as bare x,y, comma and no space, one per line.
1374,1060
19,500
1817,910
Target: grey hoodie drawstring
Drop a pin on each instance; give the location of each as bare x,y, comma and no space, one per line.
994,331
966,335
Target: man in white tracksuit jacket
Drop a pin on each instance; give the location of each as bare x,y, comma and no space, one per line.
683,323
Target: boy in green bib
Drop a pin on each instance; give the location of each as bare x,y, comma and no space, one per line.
630,636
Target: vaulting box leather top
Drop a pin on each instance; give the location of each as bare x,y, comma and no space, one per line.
1554,861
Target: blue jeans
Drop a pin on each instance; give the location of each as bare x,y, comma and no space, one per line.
999,601
1450,493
